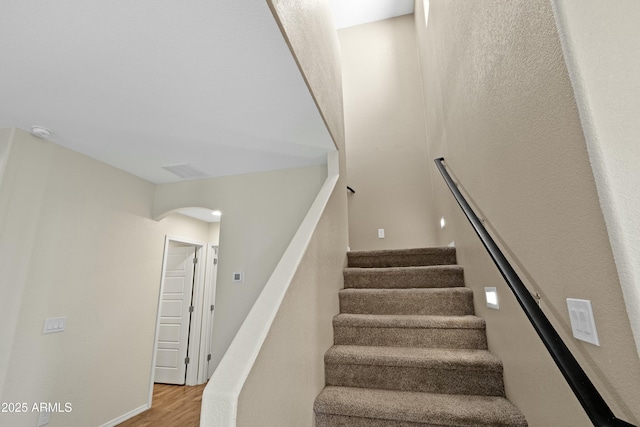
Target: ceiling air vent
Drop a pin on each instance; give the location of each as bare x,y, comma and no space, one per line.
185,171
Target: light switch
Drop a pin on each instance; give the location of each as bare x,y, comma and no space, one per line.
43,418
54,324
583,323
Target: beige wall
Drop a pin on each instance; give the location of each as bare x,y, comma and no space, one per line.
5,144
77,240
596,39
261,212
386,150
10,295
20,205
307,26
214,233
81,244
500,108
289,371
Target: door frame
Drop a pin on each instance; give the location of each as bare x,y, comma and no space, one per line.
209,299
194,329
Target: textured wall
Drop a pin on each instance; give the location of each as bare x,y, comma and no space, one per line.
289,371
308,29
77,240
11,295
500,108
600,42
260,214
386,148
5,144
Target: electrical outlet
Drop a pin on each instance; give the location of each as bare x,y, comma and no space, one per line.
380,233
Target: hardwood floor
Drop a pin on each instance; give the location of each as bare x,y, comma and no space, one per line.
172,405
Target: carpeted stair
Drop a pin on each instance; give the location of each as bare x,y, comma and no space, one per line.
408,350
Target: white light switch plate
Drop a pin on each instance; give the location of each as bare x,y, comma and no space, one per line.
43,418
582,322
54,324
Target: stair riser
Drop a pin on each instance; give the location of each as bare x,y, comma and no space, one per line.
412,337
448,304
331,420
408,352
440,278
409,378
349,407
402,261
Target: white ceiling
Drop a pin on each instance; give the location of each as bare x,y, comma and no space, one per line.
145,84
348,13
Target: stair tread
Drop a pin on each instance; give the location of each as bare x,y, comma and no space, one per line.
402,257
406,335
408,321
410,268
413,357
406,291
404,252
429,276
428,408
456,301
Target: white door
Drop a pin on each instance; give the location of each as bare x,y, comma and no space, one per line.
175,314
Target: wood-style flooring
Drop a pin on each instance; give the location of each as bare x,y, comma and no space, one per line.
172,405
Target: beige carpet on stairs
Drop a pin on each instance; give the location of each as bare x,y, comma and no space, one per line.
408,349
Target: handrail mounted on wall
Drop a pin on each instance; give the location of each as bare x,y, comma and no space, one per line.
594,405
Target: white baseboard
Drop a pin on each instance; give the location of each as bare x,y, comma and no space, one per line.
125,417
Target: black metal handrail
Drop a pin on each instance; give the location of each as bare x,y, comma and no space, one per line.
594,405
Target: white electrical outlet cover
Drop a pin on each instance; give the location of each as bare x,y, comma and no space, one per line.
583,323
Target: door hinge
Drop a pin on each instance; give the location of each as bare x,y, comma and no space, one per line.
195,260
208,357
215,261
186,360
212,307
191,309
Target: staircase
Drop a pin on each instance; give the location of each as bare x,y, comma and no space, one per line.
408,350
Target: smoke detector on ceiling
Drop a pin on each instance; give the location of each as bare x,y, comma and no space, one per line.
40,132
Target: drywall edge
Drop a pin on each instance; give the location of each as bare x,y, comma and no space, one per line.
8,330
5,149
220,397
621,245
